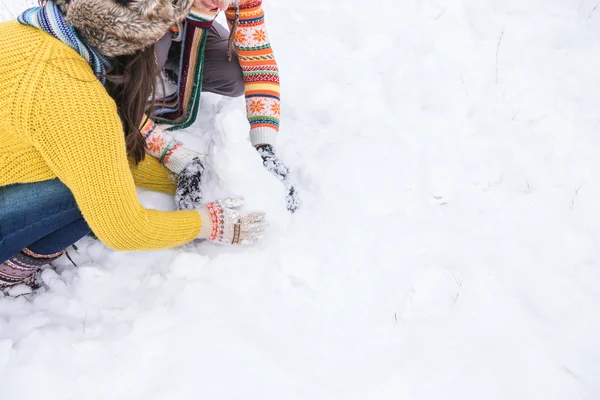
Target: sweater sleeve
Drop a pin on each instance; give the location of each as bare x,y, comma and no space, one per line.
261,74
165,148
152,175
80,136
159,144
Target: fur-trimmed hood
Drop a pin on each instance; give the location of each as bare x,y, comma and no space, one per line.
119,27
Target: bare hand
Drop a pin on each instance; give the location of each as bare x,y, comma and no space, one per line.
212,5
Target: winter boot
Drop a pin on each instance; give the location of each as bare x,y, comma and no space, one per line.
22,268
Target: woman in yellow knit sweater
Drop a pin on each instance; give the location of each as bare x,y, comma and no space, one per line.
71,152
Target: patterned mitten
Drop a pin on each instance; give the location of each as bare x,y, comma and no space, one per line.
23,267
223,224
189,191
277,168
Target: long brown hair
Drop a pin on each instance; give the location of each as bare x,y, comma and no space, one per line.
131,82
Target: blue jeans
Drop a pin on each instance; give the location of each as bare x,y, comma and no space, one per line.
41,216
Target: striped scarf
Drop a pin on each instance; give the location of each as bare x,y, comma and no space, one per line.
180,109
49,19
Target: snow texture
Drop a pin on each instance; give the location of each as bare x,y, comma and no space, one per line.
448,244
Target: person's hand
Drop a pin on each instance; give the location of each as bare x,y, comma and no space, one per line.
189,191
211,5
277,168
223,224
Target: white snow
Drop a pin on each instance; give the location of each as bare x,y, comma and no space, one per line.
448,247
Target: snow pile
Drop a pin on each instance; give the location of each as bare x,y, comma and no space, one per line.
448,244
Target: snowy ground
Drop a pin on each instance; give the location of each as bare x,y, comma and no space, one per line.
448,247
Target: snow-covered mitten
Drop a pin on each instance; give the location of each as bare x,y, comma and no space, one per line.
223,224
22,268
277,168
189,181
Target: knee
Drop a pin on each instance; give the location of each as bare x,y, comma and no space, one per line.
36,197
222,76
235,77
227,80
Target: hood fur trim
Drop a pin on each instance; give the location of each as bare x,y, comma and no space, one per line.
123,27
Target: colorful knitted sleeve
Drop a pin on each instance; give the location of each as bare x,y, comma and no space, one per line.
165,148
78,133
159,144
261,74
152,175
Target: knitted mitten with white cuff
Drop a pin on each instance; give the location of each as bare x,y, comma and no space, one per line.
223,224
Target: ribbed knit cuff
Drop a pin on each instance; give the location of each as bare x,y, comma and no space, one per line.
180,158
263,135
207,226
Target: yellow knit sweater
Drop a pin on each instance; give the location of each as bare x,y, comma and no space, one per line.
57,120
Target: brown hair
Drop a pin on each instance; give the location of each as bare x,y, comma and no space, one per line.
131,82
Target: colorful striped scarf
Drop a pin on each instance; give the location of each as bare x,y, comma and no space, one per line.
180,109
49,19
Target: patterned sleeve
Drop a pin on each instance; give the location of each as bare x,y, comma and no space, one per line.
159,144
165,148
261,74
